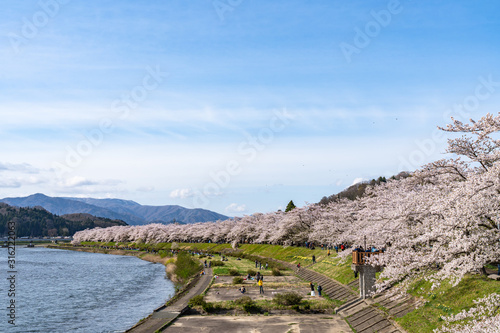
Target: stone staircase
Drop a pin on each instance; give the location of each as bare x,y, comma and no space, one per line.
370,315
362,315
331,288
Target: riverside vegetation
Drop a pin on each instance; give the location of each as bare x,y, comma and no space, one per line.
445,300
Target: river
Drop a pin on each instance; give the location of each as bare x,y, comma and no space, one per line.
65,291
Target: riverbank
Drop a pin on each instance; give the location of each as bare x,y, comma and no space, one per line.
151,257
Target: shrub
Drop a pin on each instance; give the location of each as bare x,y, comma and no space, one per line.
196,301
251,308
186,266
237,280
217,263
276,272
208,307
251,272
243,300
247,304
288,298
234,272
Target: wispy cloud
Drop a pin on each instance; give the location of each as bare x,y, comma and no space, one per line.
234,208
181,193
78,181
22,167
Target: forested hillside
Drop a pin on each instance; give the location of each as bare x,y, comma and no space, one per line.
358,190
37,222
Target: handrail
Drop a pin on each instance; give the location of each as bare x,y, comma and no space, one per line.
359,257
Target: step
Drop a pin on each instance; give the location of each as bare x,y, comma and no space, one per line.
359,321
377,327
370,322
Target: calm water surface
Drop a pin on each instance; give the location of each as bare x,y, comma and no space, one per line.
67,291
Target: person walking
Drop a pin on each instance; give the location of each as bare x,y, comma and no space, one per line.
319,288
256,263
314,259
261,288
312,288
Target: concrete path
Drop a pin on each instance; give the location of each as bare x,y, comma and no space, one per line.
166,314
259,324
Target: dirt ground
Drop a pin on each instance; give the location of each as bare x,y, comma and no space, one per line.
224,290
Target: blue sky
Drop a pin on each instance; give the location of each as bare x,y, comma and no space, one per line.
237,106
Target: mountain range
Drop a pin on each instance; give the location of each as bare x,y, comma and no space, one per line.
116,209
38,222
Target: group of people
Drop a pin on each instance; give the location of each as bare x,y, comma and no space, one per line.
258,264
368,249
260,282
318,288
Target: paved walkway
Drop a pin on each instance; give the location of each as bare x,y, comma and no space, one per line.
166,314
260,324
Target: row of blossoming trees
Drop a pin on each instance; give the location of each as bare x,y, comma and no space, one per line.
441,222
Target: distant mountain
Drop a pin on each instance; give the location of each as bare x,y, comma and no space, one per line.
126,210
38,222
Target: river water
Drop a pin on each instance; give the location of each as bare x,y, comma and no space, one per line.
66,291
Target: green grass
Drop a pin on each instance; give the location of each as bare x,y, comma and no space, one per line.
186,266
335,269
290,254
444,301
263,306
242,266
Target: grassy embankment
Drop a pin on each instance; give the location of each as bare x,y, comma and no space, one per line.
443,301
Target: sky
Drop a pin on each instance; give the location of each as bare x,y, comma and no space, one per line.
237,106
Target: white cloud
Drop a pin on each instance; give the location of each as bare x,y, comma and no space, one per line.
181,193
235,208
77,181
357,180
